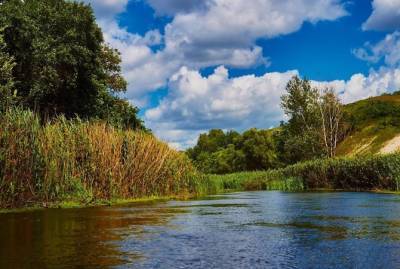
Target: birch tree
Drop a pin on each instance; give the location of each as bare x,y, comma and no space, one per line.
331,115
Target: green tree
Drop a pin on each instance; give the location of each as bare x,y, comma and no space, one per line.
63,65
315,125
259,149
301,139
300,104
7,91
218,152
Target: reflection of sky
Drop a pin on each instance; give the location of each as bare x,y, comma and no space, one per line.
241,230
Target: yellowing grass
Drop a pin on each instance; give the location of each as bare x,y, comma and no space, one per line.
73,160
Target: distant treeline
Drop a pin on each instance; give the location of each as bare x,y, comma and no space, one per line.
317,124
315,127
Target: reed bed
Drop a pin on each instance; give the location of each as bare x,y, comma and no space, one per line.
375,172
81,161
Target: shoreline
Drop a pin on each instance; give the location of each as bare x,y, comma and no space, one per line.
95,204
156,199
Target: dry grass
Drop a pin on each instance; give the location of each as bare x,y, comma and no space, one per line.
75,160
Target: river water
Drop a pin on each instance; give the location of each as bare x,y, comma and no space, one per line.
238,230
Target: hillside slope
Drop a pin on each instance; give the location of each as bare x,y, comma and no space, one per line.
375,126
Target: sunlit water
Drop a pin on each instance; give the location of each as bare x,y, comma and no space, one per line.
240,230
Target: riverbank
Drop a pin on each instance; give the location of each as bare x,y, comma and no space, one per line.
86,162
97,203
75,163
367,173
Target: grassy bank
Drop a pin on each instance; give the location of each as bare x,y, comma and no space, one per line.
70,163
83,162
378,172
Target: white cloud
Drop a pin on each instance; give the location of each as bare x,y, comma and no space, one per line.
107,9
172,7
226,32
359,86
385,16
196,104
387,49
204,33
376,83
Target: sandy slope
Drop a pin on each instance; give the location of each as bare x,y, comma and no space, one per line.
391,146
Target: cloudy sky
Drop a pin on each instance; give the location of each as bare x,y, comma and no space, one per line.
193,65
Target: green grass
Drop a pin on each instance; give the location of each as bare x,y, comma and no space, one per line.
375,121
373,172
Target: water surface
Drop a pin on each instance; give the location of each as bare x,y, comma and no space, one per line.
239,230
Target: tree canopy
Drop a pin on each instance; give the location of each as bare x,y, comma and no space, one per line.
6,79
226,152
62,64
315,123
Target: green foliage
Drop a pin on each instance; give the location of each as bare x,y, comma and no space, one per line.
219,153
62,65
300,105
296,147
379,172
315,125
388,113
7,92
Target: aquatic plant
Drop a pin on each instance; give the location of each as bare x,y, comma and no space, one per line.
86,161
374,172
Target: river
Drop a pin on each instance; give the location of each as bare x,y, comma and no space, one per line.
237,230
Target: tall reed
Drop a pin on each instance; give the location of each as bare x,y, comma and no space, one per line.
76,160
375,172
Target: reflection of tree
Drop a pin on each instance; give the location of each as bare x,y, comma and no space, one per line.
74,237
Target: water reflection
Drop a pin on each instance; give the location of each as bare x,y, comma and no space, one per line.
240,230
89,237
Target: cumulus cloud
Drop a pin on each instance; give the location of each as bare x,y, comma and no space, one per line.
172,7
385,16
204,33
228,29
107,9
196,103
376,83
387,49
360,86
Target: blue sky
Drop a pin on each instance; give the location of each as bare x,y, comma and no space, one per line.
195,65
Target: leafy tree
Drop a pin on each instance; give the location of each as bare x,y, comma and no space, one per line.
300,135
63,65
228,160
300,105
315,125
7,92
219,152
259,149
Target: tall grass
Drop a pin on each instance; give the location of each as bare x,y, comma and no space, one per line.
375,172
258,180
75,160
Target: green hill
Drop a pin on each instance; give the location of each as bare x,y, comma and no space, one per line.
374,125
